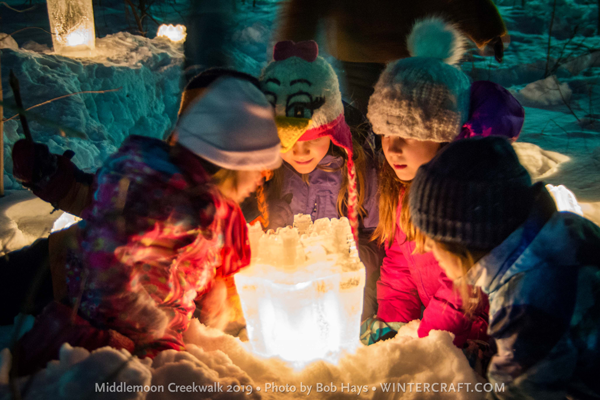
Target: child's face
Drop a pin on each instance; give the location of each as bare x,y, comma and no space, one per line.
305,156
449,262
405,156
247,182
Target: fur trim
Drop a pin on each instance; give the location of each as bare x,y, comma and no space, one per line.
435,38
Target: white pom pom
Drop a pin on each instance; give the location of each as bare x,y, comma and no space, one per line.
433,37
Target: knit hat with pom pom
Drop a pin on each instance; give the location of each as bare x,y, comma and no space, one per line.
424,97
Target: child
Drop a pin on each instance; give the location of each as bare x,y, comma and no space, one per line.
57,180
489,227
164,220
419,104
326,173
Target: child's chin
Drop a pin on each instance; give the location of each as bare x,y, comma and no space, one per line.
404,175
304,169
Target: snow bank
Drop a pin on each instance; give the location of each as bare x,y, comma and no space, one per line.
536,16
538,162
545,92
23,219
7,42
146,72
214,357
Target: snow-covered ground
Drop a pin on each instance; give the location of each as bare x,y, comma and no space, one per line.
214,359
557,81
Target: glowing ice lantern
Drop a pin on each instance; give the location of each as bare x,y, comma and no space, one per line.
175,33
72,26
302,295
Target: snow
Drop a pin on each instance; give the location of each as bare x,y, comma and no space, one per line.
545,92
212,356
23,219
7,42
145,72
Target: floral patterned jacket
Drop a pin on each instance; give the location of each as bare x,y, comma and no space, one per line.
155,236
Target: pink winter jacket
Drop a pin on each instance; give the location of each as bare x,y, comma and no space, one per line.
410,281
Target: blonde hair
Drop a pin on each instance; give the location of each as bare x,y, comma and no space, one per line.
470,295
225,177
393,191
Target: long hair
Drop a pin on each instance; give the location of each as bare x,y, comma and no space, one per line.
470,295
360,163
393,192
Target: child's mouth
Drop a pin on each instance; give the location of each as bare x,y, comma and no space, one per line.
304,162
399,166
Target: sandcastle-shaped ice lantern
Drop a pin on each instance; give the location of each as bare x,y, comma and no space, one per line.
302,295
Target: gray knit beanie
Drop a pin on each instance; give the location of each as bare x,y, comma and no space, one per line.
424,97
474,192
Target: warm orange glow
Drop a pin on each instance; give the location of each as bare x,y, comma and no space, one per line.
175,33
302,294
78,37
72,26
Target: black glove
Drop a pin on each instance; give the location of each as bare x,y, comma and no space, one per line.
32,162
498,49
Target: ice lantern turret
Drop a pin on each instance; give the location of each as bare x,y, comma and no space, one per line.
302,294
72,26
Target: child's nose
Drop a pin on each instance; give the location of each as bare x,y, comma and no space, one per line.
395,145
300,149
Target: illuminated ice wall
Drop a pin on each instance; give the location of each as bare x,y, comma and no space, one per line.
302,295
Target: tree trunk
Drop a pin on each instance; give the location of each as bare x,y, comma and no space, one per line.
1,135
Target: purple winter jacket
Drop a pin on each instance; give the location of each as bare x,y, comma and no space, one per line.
319,197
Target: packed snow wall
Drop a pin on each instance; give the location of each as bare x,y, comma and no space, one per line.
146,72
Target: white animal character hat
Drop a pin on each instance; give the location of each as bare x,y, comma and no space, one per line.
305,91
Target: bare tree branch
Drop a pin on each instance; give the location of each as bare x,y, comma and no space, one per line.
550,38
15,10
6,35
138,20
65,96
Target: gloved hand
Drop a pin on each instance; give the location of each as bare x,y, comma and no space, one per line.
280,212
498,49
373,330
49,176
479,353
32,162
